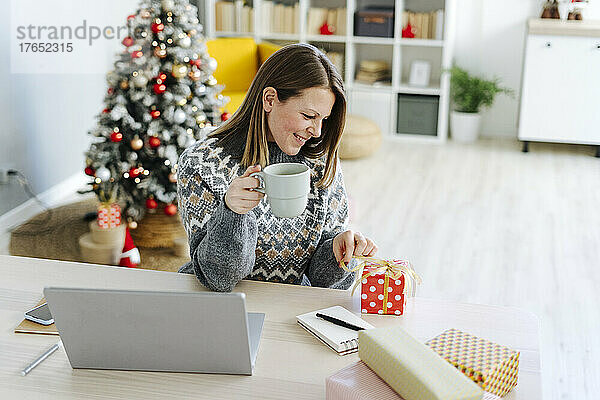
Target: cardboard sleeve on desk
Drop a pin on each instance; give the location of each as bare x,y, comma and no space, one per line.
411,368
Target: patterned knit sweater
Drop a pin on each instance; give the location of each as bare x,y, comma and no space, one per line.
226,247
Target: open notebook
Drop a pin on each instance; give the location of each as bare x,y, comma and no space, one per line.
339,339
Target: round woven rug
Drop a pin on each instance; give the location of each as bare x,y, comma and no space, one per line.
55,235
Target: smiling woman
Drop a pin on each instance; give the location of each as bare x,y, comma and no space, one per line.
294,112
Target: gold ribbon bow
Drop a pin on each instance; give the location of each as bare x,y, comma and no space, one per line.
391,269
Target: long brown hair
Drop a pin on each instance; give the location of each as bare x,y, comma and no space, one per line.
290,70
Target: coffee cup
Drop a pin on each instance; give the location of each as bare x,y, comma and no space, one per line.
286,186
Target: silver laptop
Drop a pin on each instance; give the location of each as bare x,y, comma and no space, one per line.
156,331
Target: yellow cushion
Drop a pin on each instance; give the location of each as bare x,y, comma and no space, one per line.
237,62
265,49
235,102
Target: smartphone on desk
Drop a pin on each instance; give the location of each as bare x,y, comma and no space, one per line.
40,314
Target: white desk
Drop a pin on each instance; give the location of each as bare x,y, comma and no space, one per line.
291,363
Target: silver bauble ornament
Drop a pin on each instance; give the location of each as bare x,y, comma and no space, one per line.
179,116
167,5
103,173
140,81
185,41
212,64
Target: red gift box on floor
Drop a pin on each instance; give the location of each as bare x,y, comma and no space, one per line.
385,285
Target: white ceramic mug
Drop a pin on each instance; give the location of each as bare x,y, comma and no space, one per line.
287,186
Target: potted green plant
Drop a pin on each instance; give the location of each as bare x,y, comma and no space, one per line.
469,95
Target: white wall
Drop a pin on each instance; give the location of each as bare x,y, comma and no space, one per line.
45,117
490,39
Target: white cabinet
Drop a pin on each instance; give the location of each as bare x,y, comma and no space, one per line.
560,98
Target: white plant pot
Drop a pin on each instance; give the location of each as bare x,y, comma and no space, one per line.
464,127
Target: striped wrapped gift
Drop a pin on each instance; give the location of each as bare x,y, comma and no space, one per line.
493,367
359,382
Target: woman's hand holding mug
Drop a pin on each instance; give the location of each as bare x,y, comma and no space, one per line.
239,197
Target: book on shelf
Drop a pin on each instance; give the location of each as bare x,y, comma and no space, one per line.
279,17
428,25
266,10
233,16
372,71
317,16
340,21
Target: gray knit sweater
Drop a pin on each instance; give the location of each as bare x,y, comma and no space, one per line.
226,247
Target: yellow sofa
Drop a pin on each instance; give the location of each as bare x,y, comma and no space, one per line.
238,60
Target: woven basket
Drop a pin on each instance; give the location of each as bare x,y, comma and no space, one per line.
158,229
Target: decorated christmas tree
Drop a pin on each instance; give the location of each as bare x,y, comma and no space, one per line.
161,98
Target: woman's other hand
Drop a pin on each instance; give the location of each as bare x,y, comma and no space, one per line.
240,198
350,244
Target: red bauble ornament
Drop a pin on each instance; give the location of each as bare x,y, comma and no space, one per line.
225,116
130,17
162,76
136,54
154,142
157,27
159,88
155,114
151,204
110,90
90,171
128,41
116,137
171,209
408,32
197,62
135,171
327,29
106,110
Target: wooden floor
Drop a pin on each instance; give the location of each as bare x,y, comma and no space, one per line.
486,223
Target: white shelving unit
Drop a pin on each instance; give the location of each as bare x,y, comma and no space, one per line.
378,102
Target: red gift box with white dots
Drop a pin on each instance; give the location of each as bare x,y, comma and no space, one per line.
372,292
109,216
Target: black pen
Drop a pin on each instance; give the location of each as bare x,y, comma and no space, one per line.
339,322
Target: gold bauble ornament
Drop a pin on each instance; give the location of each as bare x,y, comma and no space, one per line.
124,85
145,14
179,70
182,102
212,81
132,225
136,143
194,74
159,52
192,32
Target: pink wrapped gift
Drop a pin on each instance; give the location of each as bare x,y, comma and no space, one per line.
359,382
